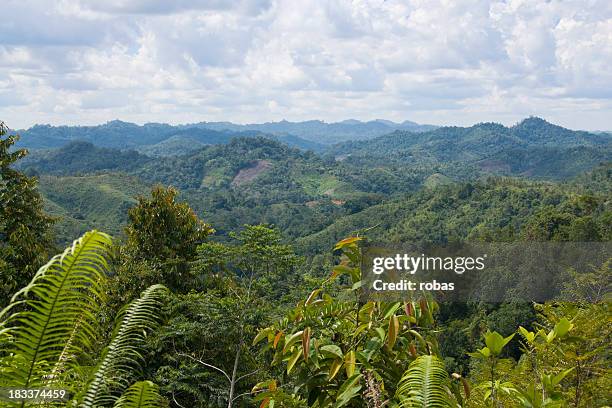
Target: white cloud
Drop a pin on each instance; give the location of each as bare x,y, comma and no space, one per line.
439,61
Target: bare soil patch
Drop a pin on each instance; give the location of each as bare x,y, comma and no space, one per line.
248,174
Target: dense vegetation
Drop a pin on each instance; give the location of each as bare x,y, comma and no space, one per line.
238,286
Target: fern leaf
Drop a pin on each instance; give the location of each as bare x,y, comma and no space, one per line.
425,384
143,394
123,355
53,318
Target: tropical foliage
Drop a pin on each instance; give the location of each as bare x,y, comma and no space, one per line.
267,308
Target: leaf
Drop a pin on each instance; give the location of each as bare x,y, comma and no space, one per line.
559,377
392,331
312,296
348,390
340,270
291,340
123,356
263,333
408,309
268,384
277,338
527,335
292,360
143,394
495,342
306,343
563,327
346,241
349,363
332,350
390,309
57,318
335,368
425,384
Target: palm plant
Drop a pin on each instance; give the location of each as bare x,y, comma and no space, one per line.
52,322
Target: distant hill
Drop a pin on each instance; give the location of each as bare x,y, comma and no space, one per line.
322,132
532,148
159,139
82,157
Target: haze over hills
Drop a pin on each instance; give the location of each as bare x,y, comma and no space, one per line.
163,139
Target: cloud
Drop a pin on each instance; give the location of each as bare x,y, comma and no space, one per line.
434,61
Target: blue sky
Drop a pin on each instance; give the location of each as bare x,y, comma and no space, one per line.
435,61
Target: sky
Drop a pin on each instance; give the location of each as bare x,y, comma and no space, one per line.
443,62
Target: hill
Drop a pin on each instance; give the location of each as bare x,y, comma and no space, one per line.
533,148
82,157
160,139
258,179
325,133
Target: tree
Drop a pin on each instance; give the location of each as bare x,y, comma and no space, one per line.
205,353
25,236
51,327
162,238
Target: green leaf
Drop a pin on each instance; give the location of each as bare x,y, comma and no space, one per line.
58,313
349,363
263,333
559,377
527,335
123,357
331,350
563,327
495,342
143,394
293,359
291,340
335,368
348,390
425,384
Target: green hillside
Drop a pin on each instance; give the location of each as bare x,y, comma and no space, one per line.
533,148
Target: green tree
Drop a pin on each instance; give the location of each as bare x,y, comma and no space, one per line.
205,354
25,236
162,239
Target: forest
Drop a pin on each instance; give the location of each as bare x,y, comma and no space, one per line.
227,272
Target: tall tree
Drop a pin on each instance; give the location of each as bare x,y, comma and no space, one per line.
162,239
207,358
25,237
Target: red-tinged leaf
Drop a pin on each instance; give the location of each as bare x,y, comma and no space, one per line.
392,331
413,351
277,338
306,343
408,309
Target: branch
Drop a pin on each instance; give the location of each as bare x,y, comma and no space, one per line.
207,365
175,401
246,375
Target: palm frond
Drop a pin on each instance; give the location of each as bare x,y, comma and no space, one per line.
425,384
53,318
143,394
124,354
